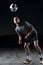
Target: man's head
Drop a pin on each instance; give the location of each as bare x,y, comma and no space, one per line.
16,20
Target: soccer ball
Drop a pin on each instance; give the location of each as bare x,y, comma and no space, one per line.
13,7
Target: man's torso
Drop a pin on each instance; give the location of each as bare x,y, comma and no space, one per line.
24,29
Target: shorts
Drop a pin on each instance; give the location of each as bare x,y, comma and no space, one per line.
32,37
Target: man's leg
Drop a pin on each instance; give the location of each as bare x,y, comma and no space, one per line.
38,50
36,45
27,51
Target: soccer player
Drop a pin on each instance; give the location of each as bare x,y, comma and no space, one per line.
27,32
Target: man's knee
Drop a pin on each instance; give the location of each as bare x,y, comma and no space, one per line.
36,44
26,45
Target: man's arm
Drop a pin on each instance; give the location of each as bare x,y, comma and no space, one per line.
20,39
29,33
19,35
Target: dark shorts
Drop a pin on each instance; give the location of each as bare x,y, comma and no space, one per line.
32,37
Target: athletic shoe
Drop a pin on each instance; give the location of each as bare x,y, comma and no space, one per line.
27,61
41,61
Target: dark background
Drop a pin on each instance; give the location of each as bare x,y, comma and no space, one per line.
31,11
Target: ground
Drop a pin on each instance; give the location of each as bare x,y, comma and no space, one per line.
16,57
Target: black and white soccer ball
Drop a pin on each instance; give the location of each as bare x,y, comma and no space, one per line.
13,7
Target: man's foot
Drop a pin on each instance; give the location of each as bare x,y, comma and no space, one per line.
41,61
27,61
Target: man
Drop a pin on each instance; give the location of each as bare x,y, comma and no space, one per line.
27,32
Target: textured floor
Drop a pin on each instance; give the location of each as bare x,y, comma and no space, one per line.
16,57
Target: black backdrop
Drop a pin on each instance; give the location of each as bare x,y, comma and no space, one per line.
32,11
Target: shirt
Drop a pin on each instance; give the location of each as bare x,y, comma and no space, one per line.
24,28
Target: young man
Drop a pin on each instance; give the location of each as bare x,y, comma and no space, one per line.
27,32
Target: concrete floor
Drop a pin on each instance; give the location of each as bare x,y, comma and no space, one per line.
16,57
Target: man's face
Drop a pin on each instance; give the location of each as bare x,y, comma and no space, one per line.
16,20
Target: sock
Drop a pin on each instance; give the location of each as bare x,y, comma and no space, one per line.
29,57
41,56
